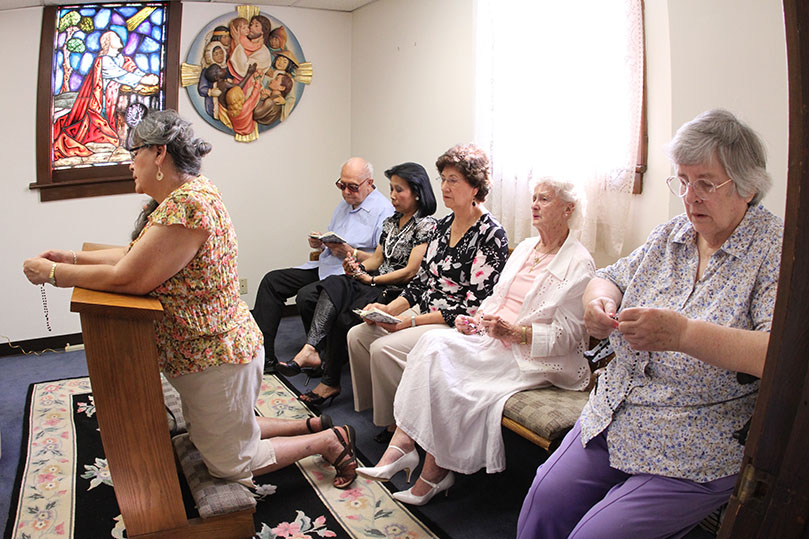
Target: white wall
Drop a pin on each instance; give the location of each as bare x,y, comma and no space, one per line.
412,82
708,54
269,185
394,81
733,55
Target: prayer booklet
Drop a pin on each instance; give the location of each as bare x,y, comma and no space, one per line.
328,237
375,315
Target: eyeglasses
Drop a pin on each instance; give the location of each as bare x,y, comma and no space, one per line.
701,188
352,187
134,151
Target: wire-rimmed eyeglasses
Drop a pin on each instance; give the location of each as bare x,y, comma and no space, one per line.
701,188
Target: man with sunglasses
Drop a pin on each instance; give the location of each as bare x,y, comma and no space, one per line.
358,220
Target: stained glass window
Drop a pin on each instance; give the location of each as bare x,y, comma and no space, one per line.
107,67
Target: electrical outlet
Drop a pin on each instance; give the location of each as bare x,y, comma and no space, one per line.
243,287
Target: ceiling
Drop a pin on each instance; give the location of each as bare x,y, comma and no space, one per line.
333,5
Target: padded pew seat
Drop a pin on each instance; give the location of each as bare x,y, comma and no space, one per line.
544,415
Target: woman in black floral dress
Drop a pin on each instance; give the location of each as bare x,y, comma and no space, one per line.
396,261
462,265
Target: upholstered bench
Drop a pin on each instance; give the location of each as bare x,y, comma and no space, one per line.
214,498
544,415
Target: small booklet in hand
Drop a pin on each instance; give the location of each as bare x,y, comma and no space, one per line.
328,237
375,315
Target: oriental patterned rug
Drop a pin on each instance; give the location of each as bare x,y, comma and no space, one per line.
63,487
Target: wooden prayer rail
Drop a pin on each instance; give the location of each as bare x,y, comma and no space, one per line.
119,342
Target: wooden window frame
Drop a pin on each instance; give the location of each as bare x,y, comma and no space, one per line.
643,139
80,182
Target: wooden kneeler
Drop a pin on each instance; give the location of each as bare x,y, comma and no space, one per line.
119,342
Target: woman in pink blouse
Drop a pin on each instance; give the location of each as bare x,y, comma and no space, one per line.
184,253
529,333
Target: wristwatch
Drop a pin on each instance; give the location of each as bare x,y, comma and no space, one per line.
413,321
52,275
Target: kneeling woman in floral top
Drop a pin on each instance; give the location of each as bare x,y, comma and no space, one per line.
462,265
184,253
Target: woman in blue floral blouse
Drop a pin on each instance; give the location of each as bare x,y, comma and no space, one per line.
657,447
462,265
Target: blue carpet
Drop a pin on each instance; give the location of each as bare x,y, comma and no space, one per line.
18,373
478,506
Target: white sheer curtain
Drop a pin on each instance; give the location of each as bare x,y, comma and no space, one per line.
559,92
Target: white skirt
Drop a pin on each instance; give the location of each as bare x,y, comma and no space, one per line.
452,394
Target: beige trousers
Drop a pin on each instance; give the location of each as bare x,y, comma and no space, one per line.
218,406
378,359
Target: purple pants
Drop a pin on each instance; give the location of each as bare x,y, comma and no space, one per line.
577,494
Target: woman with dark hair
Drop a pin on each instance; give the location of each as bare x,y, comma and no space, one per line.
462,264
209,347
396,260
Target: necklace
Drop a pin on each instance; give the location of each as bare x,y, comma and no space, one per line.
538,259
540,256
398,236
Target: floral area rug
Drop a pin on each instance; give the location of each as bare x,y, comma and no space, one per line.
63,487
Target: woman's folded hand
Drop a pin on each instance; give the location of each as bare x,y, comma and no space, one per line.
651,329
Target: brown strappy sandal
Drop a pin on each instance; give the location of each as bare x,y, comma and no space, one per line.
325,423
346,463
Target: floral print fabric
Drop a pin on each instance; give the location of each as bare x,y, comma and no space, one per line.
454,280
205,322
668,413
397,244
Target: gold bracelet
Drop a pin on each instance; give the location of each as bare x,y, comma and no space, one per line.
354,254
52,275
75,257
524,335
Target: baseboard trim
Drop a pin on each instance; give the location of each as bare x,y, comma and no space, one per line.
57,342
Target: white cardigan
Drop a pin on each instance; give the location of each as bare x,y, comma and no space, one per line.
553,308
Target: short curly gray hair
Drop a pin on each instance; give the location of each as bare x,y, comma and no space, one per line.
567,191
739,149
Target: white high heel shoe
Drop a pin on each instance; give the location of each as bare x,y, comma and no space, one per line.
407,496
407,462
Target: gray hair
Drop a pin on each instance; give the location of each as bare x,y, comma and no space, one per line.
167,128
739,149
567,191
367,168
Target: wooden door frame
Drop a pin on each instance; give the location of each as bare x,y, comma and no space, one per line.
771,498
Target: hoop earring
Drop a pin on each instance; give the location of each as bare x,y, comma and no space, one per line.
159,176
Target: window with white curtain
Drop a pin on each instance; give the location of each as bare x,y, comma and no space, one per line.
560,94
